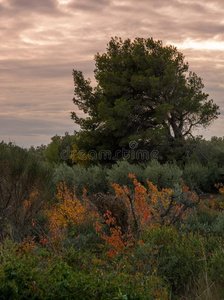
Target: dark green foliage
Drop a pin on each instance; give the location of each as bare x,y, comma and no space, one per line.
39,151
59,150
177,256
23,177
204,222
216,266
144,93
206,151
42,275
195,176
120,171
200,177
164,176
206,159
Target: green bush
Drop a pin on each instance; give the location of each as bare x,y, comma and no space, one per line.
175,257
61,173
59,150
164,176
218,226
216,175
206,151
120,171
195,176
94,178
24,189
204,222
216,266
98,178
37,274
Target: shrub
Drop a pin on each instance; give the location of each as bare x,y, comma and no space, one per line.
206,151
195,176
59,150
24,189
164,176
37,274
216,266
147,206
94,178
114,204
175,257
218,226
204,221
120,171
61,173
69,216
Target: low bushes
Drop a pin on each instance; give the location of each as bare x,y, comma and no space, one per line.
89,252
94,178
97,178
119,173
25,187
195,176
37,274
164,176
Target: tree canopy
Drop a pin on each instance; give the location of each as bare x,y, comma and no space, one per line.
145,92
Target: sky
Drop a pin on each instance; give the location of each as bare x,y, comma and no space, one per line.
42,41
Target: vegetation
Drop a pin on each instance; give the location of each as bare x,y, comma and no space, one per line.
25,184
112,237
144,93
77,222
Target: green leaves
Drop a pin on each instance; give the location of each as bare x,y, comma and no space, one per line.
142,85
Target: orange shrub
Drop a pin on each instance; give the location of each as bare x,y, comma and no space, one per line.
149,205
69,212
117,241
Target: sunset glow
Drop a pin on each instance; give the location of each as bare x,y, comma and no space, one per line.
200,45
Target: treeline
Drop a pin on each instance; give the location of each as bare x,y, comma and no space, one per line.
201,164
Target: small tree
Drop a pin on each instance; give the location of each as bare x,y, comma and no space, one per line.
59,150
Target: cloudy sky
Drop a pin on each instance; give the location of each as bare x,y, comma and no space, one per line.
43,40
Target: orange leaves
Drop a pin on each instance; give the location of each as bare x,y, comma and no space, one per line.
68,212
43,241
132,176
144,206
97,227
220,186
117,241
71,212
119,190
109,219
27,205
150,205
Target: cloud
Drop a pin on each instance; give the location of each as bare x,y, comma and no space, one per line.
89,5
45,7
43,40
